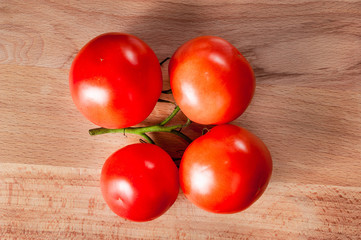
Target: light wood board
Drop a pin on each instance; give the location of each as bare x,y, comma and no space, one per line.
307,109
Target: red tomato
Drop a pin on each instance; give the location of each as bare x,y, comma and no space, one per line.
225,170
140,182
115,80
211,81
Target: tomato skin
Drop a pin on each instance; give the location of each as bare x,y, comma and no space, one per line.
140,182
211,81
225,170
115,80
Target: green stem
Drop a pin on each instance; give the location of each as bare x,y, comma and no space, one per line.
142,131
182,135
134,130
175,111
146,137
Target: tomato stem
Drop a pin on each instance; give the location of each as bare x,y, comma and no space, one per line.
169,91
165,121
166,101
182,135
142,131
146,137
166,59
136,130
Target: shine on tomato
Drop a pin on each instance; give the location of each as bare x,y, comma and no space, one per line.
115,80
225,170
211,81
140,182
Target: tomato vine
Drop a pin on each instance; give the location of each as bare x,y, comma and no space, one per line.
143,131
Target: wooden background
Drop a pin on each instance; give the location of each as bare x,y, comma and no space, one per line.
307,109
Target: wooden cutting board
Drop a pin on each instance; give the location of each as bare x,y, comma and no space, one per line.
307,109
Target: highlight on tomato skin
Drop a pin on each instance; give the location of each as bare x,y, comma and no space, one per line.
226,170
139,182
211,81
115,80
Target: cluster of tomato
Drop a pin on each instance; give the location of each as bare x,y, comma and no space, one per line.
115,82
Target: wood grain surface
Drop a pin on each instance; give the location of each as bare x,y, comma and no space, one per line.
307,109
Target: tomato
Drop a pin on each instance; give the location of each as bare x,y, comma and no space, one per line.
115,80
139,182
225,170
211,81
